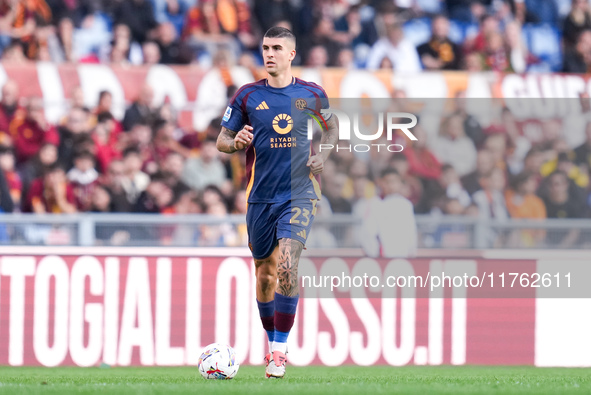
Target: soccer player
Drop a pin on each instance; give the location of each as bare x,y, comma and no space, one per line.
282,190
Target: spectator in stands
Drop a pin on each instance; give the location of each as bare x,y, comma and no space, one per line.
489,24
390,224
323,36
269,12
72,134
28,15
495,54
317,57
519,56
163,143
51,193
140,138
212,195
77,98
114,182
37,166
218,235
155,198
122,49
214,24
521,198
440,53
206,169
6,202
100,200
31,131
452,187
172,50
105,102
8,108
172,11
135,181
105,136
151,53
59,47
484,165
138,15
473,62
12,178
522,202
401,53
172,170
578,59
577,21
490,201
14,53
561,203
358,184
533,161
413,188
352,31
333,191
423,163
517,143
461,10
346,59
454,147
142,110
575,173
471,125
583,152
84,178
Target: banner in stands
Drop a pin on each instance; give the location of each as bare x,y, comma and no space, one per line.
201,95
88,310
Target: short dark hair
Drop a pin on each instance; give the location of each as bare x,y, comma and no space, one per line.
446,167
84,155
280,32
389,170
521,179
53,168
4,150
131,151
104,93
104,116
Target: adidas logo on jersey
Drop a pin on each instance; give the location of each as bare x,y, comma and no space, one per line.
302,234
263,106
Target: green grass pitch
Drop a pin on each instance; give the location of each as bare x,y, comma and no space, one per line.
299,380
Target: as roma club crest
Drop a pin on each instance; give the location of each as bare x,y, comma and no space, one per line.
301,104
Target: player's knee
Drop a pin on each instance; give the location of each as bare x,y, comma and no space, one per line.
266,280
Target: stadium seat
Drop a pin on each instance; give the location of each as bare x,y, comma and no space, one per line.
460,31
543,41
418,31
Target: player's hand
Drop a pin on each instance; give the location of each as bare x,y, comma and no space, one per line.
243,138
316,164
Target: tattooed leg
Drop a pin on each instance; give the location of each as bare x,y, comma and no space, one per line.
287,267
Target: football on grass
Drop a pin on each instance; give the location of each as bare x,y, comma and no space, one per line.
218,362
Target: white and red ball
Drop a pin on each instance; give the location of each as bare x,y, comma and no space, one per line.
218,362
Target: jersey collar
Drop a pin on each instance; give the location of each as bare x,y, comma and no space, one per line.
293,82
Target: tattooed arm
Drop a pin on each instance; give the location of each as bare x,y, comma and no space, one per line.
230,141
329,137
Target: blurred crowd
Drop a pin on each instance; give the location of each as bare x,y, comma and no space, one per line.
145,163
529,168
403,35
92,162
